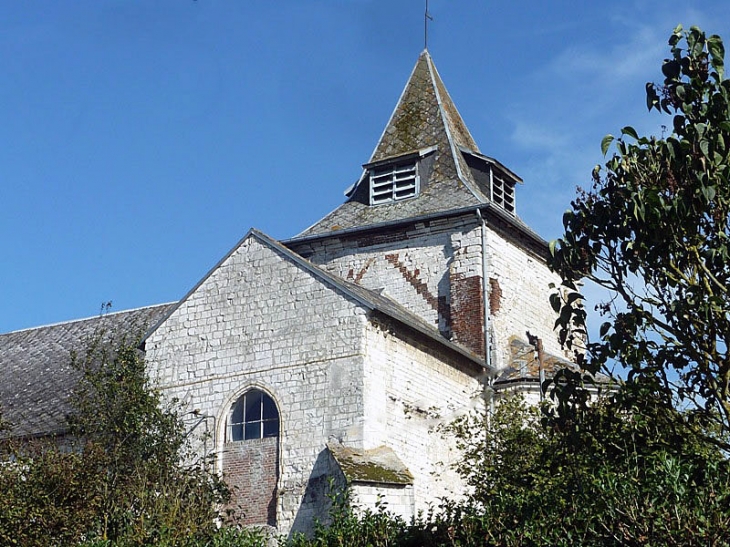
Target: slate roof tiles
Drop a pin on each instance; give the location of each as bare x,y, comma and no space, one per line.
37,377
424,117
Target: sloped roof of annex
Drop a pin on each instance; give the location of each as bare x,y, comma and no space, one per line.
38,379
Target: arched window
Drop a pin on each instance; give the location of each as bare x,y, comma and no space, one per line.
253,416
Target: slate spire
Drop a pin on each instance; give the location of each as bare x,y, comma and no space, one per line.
424,124
426,116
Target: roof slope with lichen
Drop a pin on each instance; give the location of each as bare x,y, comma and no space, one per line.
424,117
376,466
524,366
38,379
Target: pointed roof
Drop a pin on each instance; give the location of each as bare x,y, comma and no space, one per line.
424,116
426,124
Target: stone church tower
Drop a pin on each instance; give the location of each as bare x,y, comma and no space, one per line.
333,357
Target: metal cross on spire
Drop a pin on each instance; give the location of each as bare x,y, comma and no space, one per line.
426,18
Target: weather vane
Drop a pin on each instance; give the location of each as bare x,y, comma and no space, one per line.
426,18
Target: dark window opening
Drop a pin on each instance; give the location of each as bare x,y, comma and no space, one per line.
502,191
254,416
494,180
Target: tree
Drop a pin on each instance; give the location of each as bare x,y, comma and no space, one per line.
151,488
653,231
123,476
618,479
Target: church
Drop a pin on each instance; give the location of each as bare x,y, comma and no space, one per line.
336,356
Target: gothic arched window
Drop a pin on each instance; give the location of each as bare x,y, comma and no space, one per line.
253,416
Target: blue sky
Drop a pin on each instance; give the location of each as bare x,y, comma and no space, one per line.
139,141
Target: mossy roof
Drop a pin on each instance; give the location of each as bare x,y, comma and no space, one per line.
425,117
376,466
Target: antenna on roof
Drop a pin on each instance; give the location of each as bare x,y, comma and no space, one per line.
426,18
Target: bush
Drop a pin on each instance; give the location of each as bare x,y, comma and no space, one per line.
124,477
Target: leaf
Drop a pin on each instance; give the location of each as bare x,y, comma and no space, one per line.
705,147
679,123
676,35
671,69
708,192
630,131
572,297
652,97
567,217
717,53
672,147
555,302
605,143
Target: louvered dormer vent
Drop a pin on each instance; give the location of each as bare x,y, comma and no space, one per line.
393,182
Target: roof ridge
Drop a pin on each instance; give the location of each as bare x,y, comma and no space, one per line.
90,318
446,102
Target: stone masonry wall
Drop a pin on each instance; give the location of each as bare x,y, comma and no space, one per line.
413,390
399,499
519,297
261,321
412,266
435,270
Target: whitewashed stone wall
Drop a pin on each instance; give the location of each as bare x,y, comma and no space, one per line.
411,391
412,266
397,500
261,321
443,260
523,281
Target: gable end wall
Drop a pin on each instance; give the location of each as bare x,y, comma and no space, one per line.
260,320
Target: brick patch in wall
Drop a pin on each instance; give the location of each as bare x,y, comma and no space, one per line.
415,282
495,295
360,274
467,312
251,470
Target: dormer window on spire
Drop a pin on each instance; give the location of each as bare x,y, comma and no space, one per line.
398,177
495,181
393,182
502,190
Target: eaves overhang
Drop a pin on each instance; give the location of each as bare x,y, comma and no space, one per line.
485,208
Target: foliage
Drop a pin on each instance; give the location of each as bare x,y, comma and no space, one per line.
616,479
45,498
613,482
653,231
148,491
122,476
644,464
350,526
